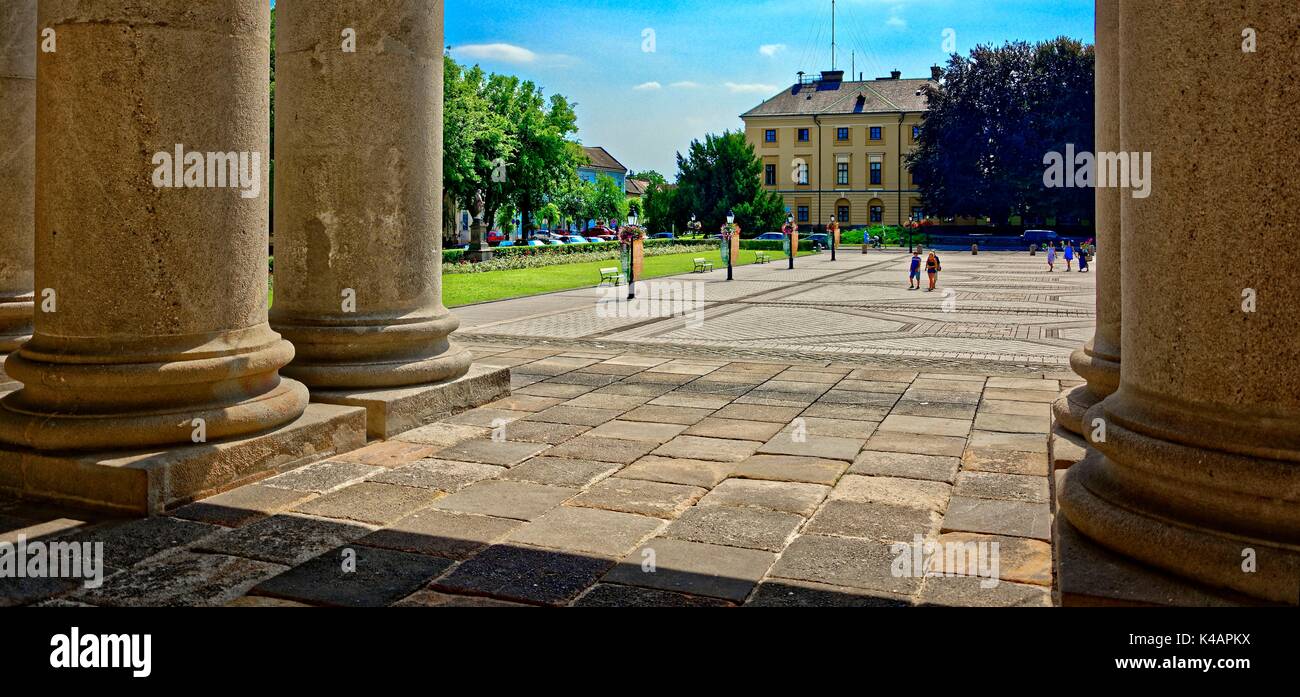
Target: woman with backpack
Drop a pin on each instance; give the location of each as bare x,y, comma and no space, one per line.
932,269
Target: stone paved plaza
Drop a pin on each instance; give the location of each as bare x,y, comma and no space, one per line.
1002,311
633,475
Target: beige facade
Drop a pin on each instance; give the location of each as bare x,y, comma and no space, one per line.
842,158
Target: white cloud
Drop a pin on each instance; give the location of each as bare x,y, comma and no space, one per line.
750,87
510,53
896,18
647,86
770,50
506,53
686,85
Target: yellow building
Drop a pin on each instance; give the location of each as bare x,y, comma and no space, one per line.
831,147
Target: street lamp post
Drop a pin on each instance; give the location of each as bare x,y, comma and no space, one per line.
833,231
728,232
629,235
791,231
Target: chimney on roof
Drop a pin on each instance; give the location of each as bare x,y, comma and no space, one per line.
936,73
895,74
832,76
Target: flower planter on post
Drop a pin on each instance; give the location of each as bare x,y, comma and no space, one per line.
631,239
730,243
791,242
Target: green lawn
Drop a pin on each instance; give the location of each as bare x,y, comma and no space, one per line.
469,288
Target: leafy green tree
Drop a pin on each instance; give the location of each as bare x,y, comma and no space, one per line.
572,200
990,124
649,175
657,207
720,174
606,199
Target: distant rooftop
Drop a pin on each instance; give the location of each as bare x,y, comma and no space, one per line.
830,94
601,159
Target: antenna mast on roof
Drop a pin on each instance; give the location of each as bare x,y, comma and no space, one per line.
832,34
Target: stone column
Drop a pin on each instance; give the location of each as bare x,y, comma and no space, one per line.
157,313
1199,469
358,201
17,162
1098,360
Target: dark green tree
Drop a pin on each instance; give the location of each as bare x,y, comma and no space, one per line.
989,125
723,173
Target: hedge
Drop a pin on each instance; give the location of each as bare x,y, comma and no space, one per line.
593,252
453,256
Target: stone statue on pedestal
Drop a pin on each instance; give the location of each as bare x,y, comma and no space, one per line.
479,249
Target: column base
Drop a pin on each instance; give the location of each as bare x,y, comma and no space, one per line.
397,410
1268,570
1089,575
1064,448
147,483
1068,410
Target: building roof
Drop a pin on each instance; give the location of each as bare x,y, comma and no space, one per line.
637,187
833,97
601,159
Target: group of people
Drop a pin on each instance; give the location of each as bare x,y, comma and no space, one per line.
932,269
1070,254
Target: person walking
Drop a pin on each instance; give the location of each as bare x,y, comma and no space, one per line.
1069,255
1083,259
1051,257
914,272
932,268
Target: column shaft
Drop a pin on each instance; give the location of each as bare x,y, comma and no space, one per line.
17,162
358,203
156,269
1199,469
1098,360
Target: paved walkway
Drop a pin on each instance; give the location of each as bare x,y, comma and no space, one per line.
629,478
997,312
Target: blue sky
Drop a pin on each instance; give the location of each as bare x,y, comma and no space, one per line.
714,59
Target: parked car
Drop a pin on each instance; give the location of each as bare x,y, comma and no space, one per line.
577,239
495,236
771,236
536,242
820,240
1038,236
662,236
507,243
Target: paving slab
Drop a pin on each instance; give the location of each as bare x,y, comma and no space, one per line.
936,468
587,531
370,502
637,430
1011,518
1005,461
656,499
614,595
790,468
285,539
242,506
438,533
1006,487
541,432
322,477
934,410
701,473
752,528
435,473
1018,559
841,561
739,429
910,493
484,417
354,576
757,412
561,471
791,593
966,591
615,450
503,499
891,441
811,445
183,579
526,574
1026,442
846,412
668,415
926,425
693,568
799,498
443,434
873,520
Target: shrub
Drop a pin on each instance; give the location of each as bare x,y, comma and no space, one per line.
511,258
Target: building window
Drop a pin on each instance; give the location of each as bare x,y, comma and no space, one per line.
803,135
801,174
803,214
875,133
875,173
769,136
917,214
841,134
769,175
916,133
843,214
842,174
877,214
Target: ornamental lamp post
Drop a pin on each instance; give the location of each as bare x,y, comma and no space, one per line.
729,231
631,266
791,231
833,231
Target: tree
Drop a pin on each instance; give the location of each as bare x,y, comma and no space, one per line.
988,128
649,175
501,137
657,206
720,174
606,199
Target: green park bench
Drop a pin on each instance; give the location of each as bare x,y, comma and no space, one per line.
761,258
611,275
702,265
